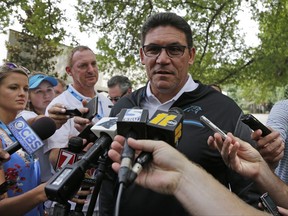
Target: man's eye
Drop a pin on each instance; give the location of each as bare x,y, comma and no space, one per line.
153,49
82,66
174,48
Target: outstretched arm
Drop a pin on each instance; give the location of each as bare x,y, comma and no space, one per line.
172,173
247,161
19,205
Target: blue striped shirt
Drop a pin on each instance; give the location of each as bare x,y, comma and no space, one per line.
278,120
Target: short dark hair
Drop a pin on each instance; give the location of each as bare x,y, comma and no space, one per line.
72,52
167,19
123,82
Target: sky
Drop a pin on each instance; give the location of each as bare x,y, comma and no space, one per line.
249,27
83,38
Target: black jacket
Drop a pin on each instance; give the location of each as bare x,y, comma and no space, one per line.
221,110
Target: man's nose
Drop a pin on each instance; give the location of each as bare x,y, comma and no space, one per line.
91,68
163,56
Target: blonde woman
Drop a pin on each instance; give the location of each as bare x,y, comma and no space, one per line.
22,168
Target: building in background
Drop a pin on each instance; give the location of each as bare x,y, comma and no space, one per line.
60,60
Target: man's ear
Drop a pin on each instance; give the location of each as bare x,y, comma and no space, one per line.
192,53
141,55
68,70
129,90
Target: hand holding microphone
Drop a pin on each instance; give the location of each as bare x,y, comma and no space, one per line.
130,123
26,138
4,155
167,164
65,183
165,126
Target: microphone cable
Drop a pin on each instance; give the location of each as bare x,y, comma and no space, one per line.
117,205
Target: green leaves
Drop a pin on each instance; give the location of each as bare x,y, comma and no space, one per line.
40,38
222,55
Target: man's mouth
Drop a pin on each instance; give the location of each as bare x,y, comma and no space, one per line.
89,77
163,72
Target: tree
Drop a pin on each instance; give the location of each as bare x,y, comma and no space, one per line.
222,55
266,78
216,33
40,38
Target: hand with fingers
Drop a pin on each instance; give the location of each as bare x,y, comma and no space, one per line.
79,122
57,113
238,154
271,146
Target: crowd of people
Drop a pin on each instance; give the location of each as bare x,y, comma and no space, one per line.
203,175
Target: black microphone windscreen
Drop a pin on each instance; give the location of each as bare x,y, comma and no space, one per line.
75,144
44,127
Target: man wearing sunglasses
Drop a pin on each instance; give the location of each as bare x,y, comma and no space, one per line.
167,52
118,86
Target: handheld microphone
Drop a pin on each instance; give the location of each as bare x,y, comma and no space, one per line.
130,123
28,137
166,126
71,154
75,145
66,182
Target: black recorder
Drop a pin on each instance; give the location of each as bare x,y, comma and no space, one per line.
269,205
73,112
255,124
92,106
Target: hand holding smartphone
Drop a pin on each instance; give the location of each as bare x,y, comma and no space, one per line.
92,106
255,124
73,112
207,122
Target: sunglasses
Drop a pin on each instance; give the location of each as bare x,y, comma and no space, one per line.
11,65
114,98
117,98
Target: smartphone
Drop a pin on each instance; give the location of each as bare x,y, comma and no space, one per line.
208,123
92,106
255,124
269,205
73,112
